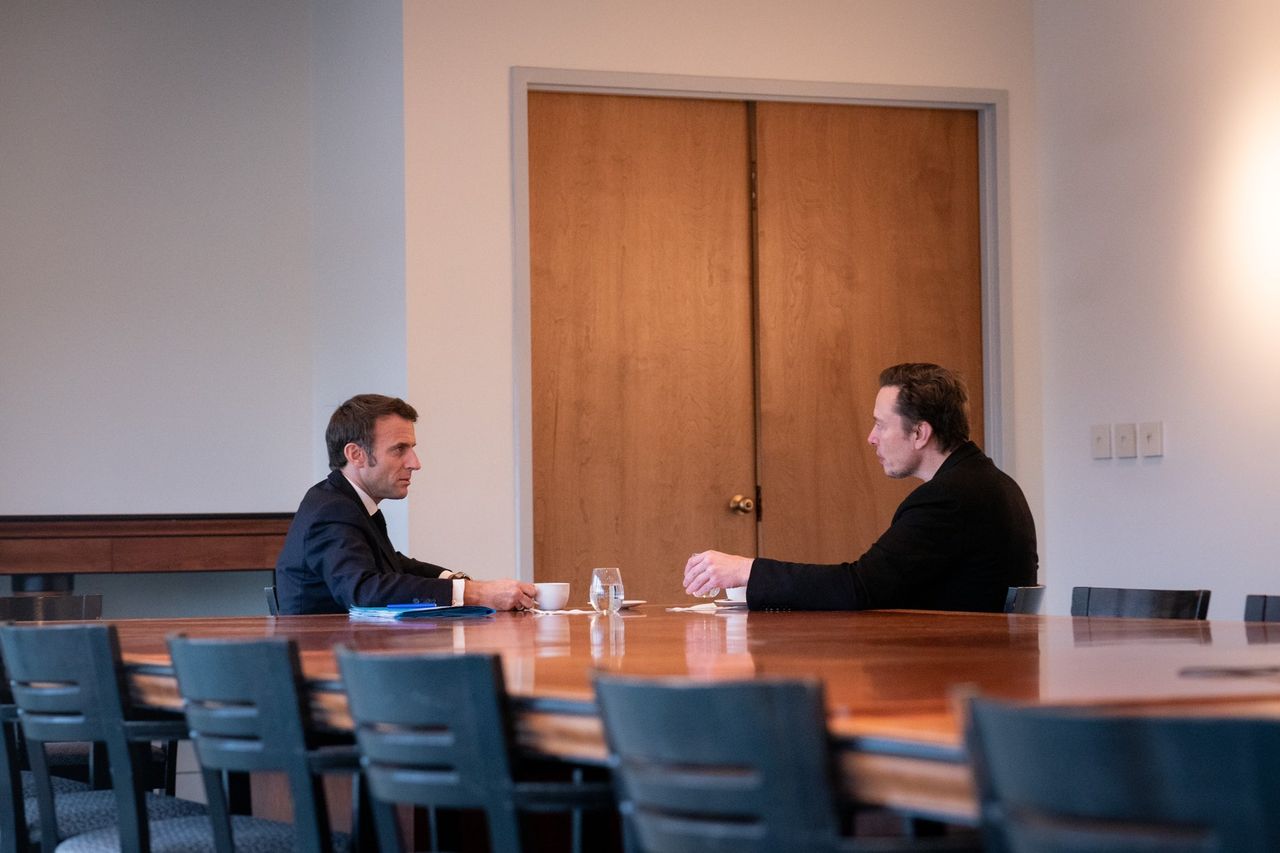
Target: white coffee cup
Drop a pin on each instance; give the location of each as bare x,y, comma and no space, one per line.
552,596
736,593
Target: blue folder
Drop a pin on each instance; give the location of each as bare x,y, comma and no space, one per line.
403,612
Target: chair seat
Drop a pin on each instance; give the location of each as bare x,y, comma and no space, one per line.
181,835
85,811
60,785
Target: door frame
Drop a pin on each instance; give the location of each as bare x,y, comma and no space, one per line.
992,107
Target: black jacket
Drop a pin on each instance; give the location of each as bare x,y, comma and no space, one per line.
957,542
335,556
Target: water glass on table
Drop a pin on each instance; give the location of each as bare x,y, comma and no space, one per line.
606,590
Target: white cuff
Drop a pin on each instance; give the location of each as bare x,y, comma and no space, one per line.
459,587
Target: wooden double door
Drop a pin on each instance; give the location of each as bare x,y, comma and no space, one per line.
715,287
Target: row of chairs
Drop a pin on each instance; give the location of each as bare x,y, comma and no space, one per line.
1112,601
743,766
1141,603
697,767
430,731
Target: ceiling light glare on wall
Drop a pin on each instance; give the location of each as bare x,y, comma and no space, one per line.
1253,214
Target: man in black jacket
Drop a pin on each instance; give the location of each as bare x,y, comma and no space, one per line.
957,542
337,552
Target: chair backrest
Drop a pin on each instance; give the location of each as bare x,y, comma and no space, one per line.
730,765
1140,603
1053,780
247,710
50,607
1262,608
273,603
68,685
1024,599
14,837
433,730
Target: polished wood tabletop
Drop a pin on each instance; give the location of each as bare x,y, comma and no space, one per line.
892,678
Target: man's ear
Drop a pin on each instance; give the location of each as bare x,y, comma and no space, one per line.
923,432
355,454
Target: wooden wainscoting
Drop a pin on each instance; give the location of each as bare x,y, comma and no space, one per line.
88,544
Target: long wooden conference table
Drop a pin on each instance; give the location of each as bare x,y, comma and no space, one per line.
892,678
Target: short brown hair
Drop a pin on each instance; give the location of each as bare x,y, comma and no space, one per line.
933,394
354,420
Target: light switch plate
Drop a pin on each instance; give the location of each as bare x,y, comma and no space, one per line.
1126,441
1100,440
1151,438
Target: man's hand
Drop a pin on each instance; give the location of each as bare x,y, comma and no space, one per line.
710,570
500,595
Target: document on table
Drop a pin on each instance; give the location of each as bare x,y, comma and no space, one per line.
405,612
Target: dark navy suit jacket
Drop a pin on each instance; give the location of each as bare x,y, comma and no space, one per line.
957,542
335,556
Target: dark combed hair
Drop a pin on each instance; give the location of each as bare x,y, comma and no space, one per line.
927,392
354,420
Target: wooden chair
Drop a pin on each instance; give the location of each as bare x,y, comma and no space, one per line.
1024,599
741,766
247,709
447,744
1262,608
1053,780
1140,603
68,685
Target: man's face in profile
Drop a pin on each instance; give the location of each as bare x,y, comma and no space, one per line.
386,472
895,444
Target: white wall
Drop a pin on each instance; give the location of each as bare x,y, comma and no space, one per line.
460,211
1160,131
155,323
358,239
202,233
155,269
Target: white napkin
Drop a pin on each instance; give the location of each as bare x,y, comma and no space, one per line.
709,607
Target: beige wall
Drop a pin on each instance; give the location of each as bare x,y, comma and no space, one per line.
460,218
1160,132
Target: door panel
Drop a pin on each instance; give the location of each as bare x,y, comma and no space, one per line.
643,409
869,255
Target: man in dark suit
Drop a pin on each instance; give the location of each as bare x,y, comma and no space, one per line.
957,542
337,552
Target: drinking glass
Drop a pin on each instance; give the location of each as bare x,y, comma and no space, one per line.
606,590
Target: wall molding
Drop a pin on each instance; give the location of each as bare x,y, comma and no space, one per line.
97,544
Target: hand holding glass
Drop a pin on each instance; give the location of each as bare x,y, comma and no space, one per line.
606,590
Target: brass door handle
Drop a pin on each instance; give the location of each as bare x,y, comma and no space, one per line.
742,504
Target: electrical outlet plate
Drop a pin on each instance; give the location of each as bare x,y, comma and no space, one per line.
1100,440
1151,438
1126,441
